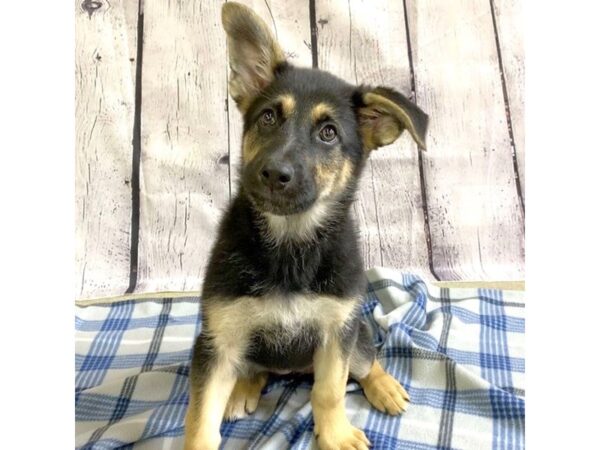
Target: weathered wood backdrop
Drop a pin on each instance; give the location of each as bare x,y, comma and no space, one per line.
158,140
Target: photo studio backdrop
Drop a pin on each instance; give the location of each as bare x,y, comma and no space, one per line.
158,140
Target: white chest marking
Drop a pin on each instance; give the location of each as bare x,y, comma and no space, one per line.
297,227
230,322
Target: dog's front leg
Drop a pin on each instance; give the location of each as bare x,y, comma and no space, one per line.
212,378
332,427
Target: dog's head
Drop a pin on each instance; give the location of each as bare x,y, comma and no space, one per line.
307,133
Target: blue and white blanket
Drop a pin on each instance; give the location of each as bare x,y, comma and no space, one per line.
458,352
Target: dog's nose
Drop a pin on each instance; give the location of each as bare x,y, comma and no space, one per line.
276,175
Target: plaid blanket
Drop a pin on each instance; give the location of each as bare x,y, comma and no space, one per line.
458,352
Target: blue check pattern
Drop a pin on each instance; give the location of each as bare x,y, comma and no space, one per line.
458,352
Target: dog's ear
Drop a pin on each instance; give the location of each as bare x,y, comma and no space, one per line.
383,114
253,53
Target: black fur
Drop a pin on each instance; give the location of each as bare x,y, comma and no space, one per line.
274,347
296,140
245,263
288,235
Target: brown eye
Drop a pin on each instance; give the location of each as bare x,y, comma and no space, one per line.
267,118
328,133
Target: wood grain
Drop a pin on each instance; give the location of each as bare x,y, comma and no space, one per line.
475,218
389,206
336,54
403,243
183,135
509,22
291,26
132,11
103,133
191,133
380,57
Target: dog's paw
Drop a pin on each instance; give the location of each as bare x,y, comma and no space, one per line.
342,437
244,397
385,393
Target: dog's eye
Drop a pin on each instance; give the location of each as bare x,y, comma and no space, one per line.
267,117
328,133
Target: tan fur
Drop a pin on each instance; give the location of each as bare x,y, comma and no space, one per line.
378,130
288,104
320,111
253,53
297,227
382,121
384,392
325,174
331,179
332,427
344,175
250,147
333,175
242,101
231,322
206,408
245,396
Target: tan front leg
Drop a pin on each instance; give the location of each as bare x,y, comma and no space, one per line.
245,396
332,427
207,405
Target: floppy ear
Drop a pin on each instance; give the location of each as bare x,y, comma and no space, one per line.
383,114
253,53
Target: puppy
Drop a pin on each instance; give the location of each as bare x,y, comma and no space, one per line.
285,282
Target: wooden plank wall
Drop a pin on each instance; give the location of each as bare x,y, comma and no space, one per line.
508,23
155,176
475,215
389,205
183,188
103,153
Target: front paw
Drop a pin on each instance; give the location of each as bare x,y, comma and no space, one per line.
244,397
341,437
386,394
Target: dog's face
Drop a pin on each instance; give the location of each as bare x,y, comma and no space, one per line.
306,132
301,143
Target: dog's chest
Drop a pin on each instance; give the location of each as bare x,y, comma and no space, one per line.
278,348
279,332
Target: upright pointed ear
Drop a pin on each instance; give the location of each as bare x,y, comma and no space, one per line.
383,115
253,53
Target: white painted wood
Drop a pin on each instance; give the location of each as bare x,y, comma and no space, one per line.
388,207
474,214
475,217
380,57
184,134
509,21
337,54
290,23
131,8
104,108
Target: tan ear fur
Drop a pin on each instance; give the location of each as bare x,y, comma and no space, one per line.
385,115
254,53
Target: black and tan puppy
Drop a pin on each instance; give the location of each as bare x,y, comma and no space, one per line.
285,282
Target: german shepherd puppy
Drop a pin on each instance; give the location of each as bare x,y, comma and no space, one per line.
285,282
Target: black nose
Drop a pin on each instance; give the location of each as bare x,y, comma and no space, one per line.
276,175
